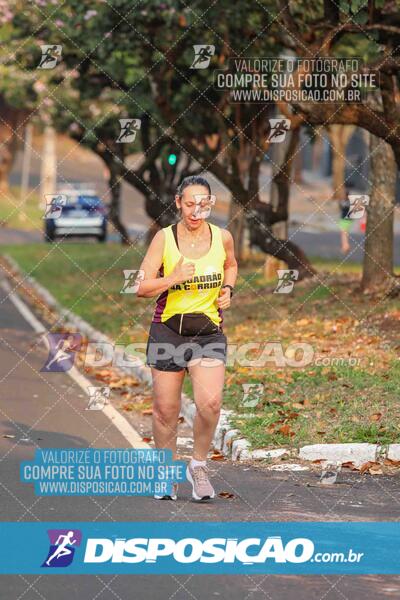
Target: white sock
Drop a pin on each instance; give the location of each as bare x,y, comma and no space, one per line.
197,463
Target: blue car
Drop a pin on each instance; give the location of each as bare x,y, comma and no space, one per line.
77,214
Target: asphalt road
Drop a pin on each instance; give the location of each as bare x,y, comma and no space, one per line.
313,218
48,410
323,244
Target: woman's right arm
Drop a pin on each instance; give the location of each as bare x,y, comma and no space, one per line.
151,285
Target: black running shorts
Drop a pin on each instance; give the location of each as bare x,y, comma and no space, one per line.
169,351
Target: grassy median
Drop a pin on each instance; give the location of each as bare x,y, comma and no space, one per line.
347,392
24,214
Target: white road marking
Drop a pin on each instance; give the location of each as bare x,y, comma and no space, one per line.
118,420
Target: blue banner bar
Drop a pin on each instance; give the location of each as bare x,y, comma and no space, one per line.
200,548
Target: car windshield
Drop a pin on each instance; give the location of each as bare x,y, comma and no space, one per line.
88,202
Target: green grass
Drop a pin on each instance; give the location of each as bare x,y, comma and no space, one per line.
21,215
355,406
87,279
313,404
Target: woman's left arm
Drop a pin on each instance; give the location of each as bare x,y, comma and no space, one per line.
230,270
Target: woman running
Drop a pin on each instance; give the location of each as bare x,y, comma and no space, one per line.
197,267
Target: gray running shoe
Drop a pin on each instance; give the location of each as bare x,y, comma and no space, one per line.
198,477
172,496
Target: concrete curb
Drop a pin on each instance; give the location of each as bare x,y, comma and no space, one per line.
226,440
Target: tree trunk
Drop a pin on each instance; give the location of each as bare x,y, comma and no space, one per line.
284,250
11,119
115,207
236,226
7,154
378,248
339,136
271,233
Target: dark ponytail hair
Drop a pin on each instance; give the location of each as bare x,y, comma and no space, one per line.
192,180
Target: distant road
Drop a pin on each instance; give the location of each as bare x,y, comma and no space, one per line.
323,244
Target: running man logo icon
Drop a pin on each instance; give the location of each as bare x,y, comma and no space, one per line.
287,279
132,281
62,350
129,129
278,130
62,547
204,202
51,55
54,205
252,394
98,397
358,204
202,56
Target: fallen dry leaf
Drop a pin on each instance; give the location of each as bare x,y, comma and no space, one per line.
376,470
370,466
226,495
292,415
285,430
391,463
217,457
275,401
375,417
349,465
147,411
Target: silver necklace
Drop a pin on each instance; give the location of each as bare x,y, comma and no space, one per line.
196,238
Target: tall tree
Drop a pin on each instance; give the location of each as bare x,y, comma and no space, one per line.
378,249
370,30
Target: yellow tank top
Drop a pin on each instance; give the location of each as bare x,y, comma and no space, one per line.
200,293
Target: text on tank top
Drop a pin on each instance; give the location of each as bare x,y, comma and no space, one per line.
200,293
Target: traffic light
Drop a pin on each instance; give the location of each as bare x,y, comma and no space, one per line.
172,158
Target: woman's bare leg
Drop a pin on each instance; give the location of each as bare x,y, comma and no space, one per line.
208,383
167,390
